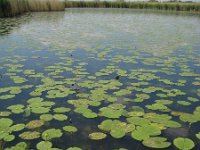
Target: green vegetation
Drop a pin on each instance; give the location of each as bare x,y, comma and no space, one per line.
9,8
136,5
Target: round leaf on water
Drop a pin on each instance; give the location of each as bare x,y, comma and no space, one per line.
34,124
9,138
61,110
156,142
105,125
51,134
5,122
89,114
138,121
117,133
60,117
198,135
186,117
145,131
40,110
17,127
44,145
97,136
19,146
136,112
70,129
30,135
184,103
46,117
5,113
183,143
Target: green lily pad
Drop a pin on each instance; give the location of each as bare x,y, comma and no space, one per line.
184,103
106,125
97,136
16,109
117,133
70,129
5,122
198,135
46,117
44,145
156,142
5,113
40,110
138,121
51,134
9,138
145,131
186,117
60,117
19,146
17,127
61,110
34,124
183,143
29,135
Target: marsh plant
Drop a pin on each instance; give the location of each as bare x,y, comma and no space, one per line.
10,8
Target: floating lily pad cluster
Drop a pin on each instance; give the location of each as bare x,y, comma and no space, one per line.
133,84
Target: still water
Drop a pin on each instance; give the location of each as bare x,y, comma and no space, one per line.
103,79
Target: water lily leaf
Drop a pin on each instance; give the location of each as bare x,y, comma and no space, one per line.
30,135
138,121
5,97
184,103
136,112
17,127
5,113
117,133
40,110
97,136
44,145
46,117
186,117
110,113
16,109
156,142
34,124
70,129
5,122
106,125
198,135
60,117
145,131
19,146
51,134
61,110
9,138
183,143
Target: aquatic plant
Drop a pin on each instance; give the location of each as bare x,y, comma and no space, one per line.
9,8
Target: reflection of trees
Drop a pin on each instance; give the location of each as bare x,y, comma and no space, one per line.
9,25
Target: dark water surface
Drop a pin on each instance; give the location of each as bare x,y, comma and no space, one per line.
99,63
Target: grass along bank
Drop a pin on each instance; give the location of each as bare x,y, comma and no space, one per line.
9,8
180,6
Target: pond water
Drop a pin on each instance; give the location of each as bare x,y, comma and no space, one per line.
104,79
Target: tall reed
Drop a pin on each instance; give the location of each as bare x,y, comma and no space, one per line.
136,5
10,8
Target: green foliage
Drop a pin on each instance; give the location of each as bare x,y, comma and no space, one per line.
183,143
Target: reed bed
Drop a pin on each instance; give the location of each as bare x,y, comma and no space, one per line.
9,8
136,5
